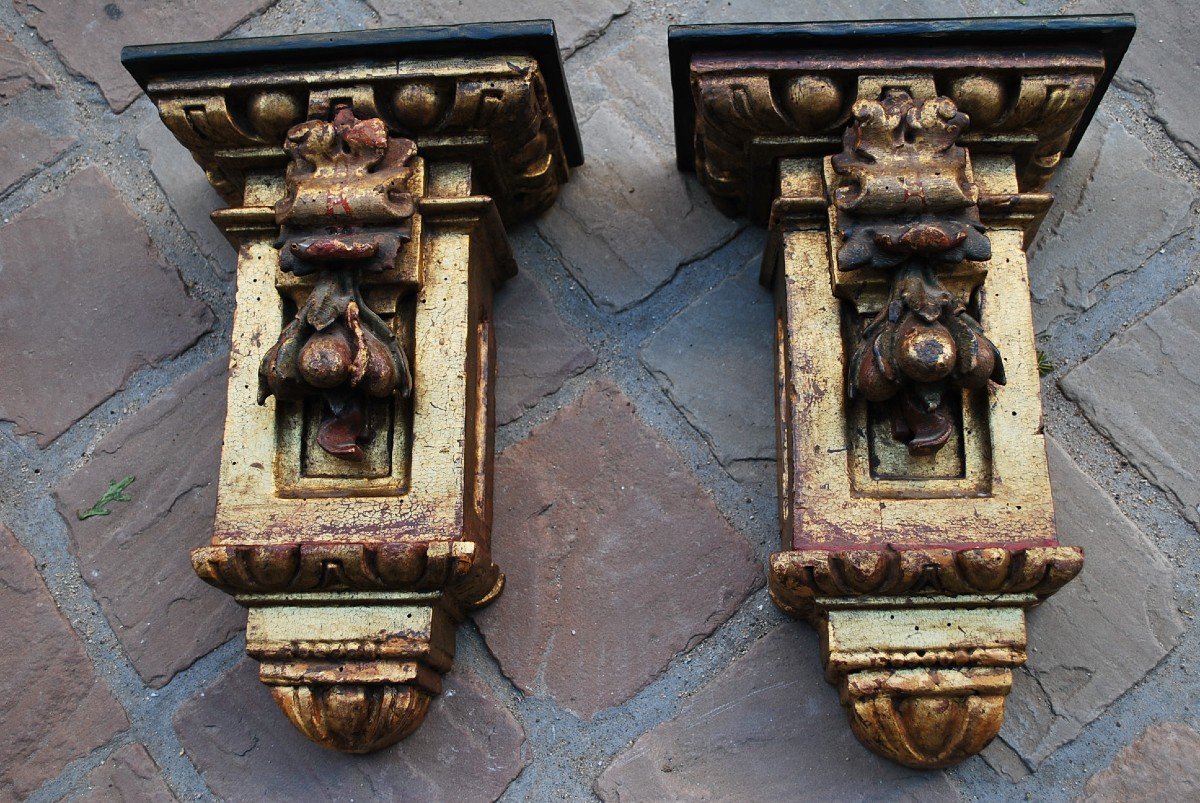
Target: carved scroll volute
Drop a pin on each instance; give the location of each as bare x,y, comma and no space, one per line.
898,166
353,508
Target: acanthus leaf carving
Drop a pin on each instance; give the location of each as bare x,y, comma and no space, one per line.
906,202
347,211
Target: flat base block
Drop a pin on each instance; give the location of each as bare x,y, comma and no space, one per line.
353,671
923,679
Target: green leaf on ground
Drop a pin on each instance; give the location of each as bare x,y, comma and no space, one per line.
1044,364
115,493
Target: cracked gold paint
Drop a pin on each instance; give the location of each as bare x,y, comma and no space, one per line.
355,574
916,566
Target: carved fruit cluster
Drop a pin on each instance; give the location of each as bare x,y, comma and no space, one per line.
339,348
922,343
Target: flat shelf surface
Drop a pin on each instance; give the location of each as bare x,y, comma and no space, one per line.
536,38
1110,34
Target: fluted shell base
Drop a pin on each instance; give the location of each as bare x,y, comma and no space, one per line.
353,671
354,717
923,718
923,679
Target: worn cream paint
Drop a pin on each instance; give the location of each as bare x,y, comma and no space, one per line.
917,570
356,574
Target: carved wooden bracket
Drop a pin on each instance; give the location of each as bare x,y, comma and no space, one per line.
369,177
899,167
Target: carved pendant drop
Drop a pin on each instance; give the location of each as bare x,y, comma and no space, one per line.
347,212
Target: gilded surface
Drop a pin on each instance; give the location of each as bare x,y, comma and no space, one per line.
924,678
491,110
914,496
907,203
754,109
800,577
354,502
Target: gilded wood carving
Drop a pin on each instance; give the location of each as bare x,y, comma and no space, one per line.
368,195
347,211
907,201
899,168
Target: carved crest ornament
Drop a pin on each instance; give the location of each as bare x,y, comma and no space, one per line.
899,168
367,195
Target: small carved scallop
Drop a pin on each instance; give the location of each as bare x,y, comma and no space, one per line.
273,112
813,101
981,97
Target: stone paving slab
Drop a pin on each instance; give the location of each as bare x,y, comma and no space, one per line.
616,558
81,309
88,34
628,219
136,558
1161,62
1161,764
469,749
768,728
286,17
188,192
18,72
1114,182
55,708
578,22
127,776
1140,391
716,361
536,351
829,10
25,149
1099,635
